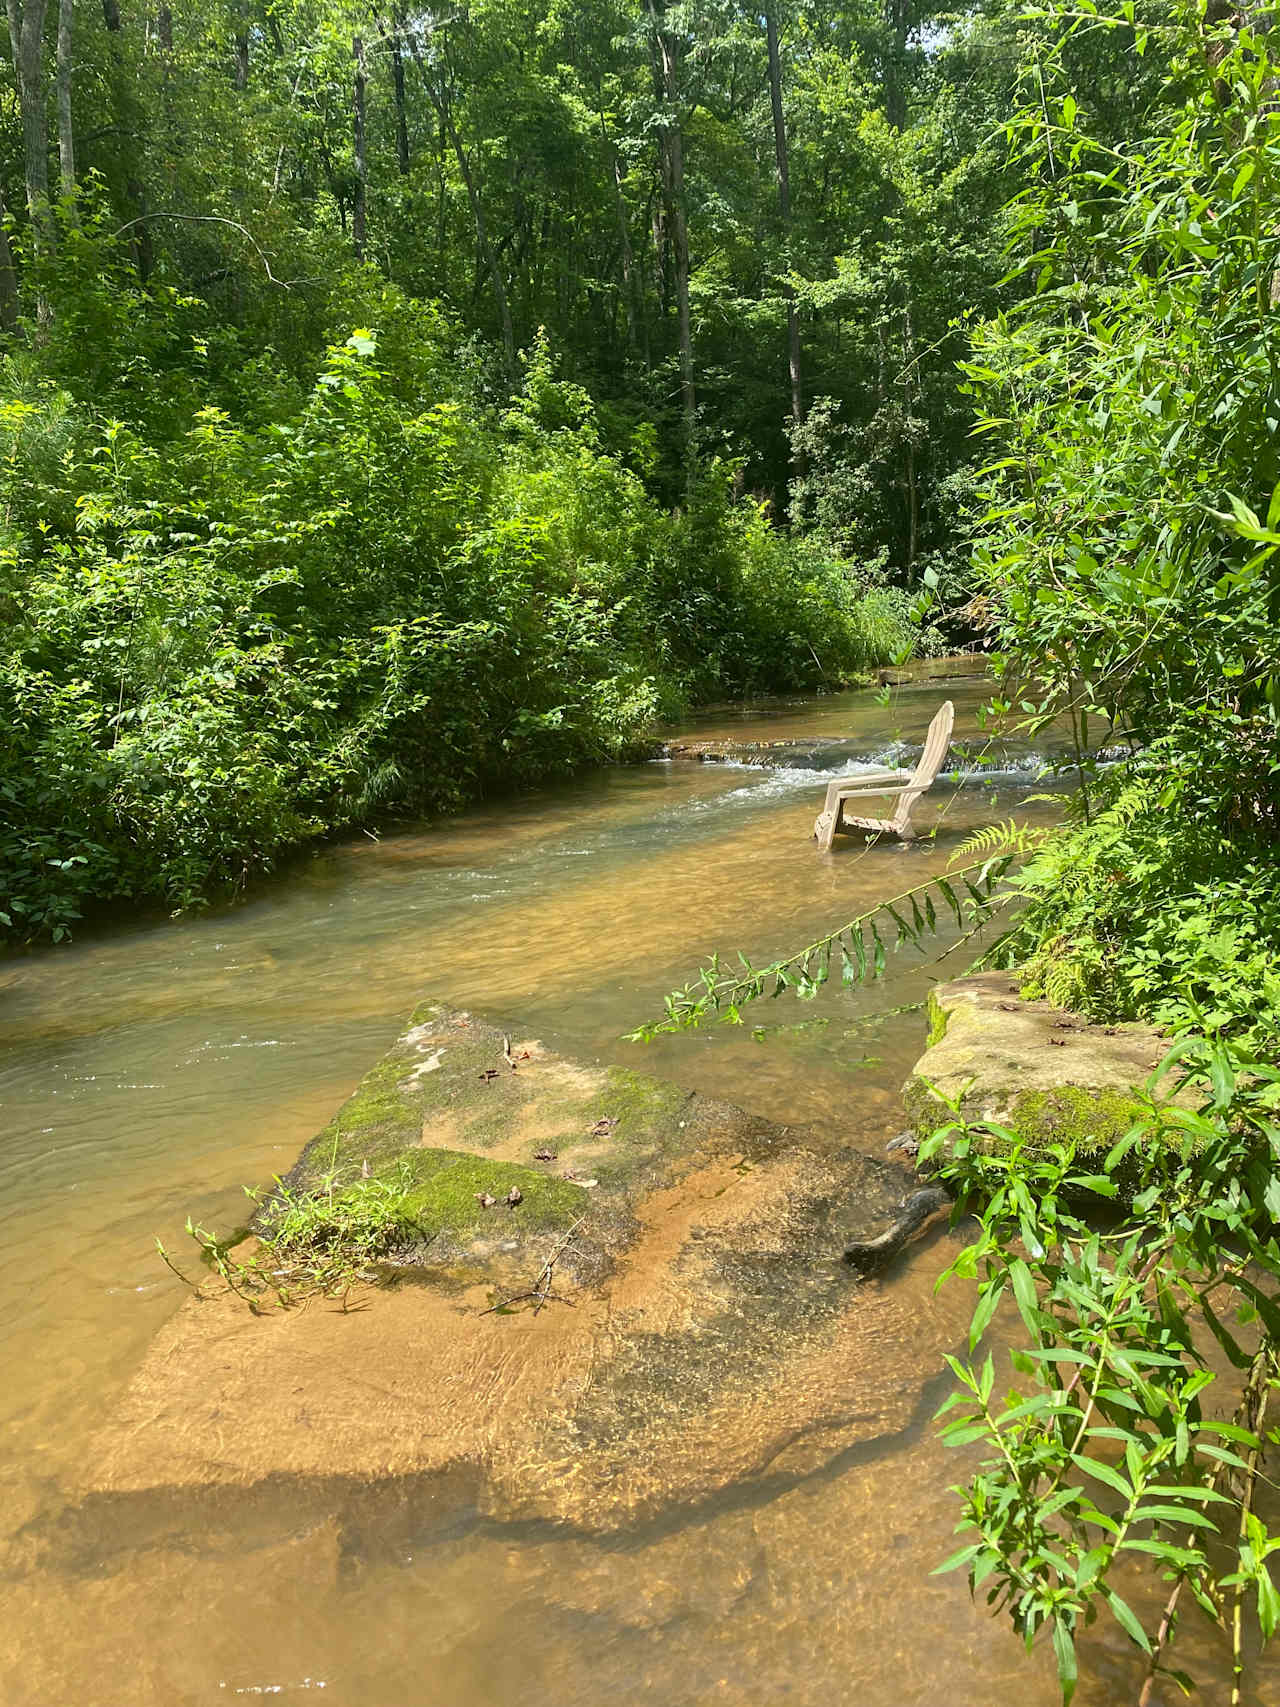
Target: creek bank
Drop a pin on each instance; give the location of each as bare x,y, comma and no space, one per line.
709,1333
1048,1074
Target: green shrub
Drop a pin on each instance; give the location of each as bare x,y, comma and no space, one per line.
383,604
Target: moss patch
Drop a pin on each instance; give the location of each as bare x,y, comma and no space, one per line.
1094,1117
1046,1074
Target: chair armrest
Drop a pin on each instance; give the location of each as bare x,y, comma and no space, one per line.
898,786
837,785
886,771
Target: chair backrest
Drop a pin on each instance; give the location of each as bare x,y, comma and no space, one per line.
936,743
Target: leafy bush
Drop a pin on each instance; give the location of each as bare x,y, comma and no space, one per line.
1106,1453
1124,574
1155,908
253,633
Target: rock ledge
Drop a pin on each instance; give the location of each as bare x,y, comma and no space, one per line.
1049,1074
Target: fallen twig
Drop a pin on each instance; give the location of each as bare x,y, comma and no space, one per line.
540,1291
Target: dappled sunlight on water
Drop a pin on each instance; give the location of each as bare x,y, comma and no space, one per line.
149,1071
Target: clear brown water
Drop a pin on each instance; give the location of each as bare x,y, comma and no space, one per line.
148,1071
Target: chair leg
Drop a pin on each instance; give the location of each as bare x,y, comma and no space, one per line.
829,829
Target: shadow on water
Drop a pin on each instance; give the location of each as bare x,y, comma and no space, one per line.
150,1070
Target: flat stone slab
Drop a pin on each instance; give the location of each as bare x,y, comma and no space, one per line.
709,1330
1049,1074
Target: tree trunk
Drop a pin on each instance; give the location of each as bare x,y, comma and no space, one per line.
671,143
8,274
895,90
489,259
66,134
910,398
240,75
402,122
26,32
784,208
624,237
441,101
173,139
358,210
140,240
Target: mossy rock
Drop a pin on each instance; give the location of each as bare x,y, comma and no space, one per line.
461,1110
1046,1074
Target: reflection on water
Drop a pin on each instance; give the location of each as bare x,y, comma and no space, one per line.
148,1072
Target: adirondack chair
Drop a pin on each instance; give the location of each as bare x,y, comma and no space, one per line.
906,786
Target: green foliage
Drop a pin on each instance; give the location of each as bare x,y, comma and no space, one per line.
1131,400
1153,909
1130,584
1125,569
317,1244
1110,1446
321,1237
384,603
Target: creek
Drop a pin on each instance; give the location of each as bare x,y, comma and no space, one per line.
151,1069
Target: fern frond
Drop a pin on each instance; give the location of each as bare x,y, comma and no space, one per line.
1010,837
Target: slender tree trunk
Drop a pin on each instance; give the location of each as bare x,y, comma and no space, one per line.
26,33
895,91
358,210
335,188
672,158
910,398
8,274
140,238
485,247
624,237
661,251
173,139
240,75
397,83
680,224
784,208
66,133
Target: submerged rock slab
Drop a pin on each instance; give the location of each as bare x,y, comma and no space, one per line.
1049,1074
709,1329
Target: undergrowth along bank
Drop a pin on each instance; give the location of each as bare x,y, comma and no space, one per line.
381,603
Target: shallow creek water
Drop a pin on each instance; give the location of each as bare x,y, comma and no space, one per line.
149,1070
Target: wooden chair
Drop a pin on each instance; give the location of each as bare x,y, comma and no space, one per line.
906,786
